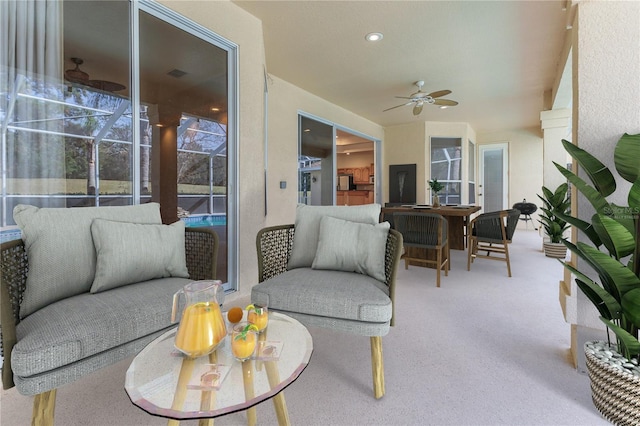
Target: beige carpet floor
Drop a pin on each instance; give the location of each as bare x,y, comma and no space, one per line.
483,349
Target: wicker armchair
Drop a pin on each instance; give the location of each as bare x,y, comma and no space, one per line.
201,254
424,231
492,233
274,247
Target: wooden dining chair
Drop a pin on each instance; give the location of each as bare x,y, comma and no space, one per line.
492,233
422,232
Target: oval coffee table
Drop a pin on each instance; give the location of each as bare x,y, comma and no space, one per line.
165,383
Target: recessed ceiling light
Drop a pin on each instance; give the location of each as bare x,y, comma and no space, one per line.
373,37
443,107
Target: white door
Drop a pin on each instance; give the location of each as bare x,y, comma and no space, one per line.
493,188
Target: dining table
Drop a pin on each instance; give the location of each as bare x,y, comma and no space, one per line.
458,217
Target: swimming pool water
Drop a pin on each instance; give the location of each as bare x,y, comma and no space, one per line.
205,220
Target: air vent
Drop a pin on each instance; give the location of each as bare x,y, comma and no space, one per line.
176,73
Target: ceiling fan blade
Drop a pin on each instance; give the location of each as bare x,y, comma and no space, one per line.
439,93
397,106
418,108
445,102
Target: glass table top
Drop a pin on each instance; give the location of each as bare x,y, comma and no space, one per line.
163,382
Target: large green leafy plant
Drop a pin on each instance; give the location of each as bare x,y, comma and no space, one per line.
553,202
616,230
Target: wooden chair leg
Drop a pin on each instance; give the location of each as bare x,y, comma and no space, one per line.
438,266
446,271
469,253
506,254
377,366
406,255
44,406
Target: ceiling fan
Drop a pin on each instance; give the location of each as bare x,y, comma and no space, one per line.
76,75
419,98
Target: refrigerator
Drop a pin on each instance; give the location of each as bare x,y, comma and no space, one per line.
345,182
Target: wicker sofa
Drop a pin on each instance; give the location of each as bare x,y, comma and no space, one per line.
55,335
334,268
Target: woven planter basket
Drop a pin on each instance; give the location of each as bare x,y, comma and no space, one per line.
615,393
556,250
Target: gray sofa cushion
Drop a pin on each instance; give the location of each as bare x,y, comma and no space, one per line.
61,254
130,253
352,247
81,326
305,239
326,293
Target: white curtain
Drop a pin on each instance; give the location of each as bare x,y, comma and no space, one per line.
32,64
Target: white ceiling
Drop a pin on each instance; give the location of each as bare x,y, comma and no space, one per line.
497,57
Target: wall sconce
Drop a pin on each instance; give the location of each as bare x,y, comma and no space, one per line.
314,179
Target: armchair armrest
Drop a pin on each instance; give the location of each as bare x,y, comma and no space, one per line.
273,246
13,279
391,258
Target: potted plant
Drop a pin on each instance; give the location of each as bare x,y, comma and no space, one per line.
435,188
553,202
615,390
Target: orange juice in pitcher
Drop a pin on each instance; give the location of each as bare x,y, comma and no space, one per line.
202,327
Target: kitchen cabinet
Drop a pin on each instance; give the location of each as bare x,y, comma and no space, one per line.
360,174
353,198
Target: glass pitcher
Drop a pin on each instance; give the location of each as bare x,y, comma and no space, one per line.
202,327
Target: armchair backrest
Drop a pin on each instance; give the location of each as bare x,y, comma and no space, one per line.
495,226
419,229
274,246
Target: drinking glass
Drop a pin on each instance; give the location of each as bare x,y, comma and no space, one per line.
243,341
259,316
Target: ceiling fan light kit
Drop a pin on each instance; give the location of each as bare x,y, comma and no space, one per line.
419,98
76,75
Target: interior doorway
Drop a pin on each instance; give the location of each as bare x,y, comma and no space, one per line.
494,177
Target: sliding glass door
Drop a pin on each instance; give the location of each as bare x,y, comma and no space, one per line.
116,103
336,165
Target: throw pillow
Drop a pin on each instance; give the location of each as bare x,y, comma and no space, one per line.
305,238
131,252
352,247
60,249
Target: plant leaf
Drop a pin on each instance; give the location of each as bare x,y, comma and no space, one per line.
623,214
615,237
616,278
585,227
631,306
634,197
631,345
626,155
603,301
598,201
600,176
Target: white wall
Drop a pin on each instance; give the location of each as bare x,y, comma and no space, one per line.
356,159
606,104
285,102
409,144
405,144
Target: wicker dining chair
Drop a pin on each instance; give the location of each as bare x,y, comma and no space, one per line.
426,231
492,233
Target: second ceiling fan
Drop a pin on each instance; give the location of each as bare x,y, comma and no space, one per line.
419,98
